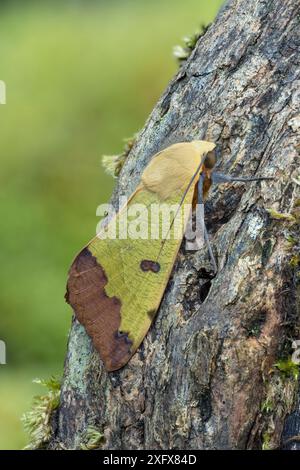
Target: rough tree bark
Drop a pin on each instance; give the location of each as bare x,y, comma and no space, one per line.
204,377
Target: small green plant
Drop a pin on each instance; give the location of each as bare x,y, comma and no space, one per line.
183,52
266,441
92,439
281,216
292,240
291,223
288,368
295,261
113,163
292,237
37,421
267,406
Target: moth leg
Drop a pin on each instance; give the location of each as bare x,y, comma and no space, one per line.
221,178
200,217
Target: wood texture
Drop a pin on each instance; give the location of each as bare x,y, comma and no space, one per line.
204,373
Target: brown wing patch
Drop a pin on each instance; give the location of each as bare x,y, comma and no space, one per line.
98,313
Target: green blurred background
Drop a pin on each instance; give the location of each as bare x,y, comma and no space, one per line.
80,77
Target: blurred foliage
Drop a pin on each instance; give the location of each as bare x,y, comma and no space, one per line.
113,164
92,439
16,392
288,367
189,43
80,76
37,421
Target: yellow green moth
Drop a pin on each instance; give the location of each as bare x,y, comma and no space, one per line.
116,284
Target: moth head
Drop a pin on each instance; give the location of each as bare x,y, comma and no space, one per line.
206,151
210,159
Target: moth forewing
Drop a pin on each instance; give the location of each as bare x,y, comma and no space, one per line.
115,285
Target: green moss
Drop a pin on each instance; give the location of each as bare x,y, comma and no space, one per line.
183,52
292,240
281,216
297,202
113,163
292,237
267,406
37,421
288,368
291,232
280,386
92,439
266,444
295,261
296,212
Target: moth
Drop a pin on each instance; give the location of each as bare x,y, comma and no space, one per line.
116,284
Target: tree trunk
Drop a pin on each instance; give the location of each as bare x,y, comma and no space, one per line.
204,377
